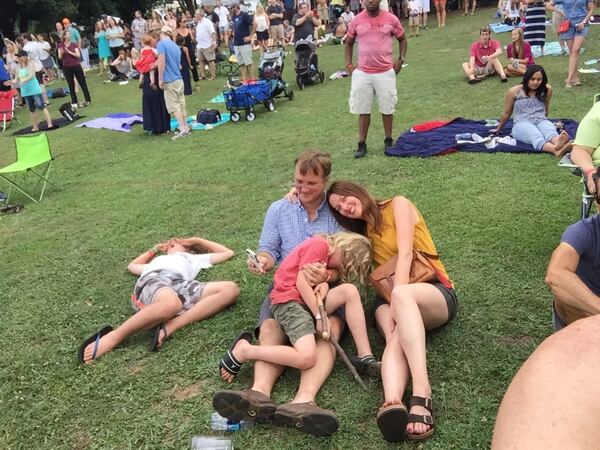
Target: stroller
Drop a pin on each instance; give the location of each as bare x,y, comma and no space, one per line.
270,67
307,64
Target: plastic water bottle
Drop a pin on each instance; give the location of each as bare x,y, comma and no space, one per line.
220,423
211,443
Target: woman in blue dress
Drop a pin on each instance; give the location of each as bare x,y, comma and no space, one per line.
103,48
578,13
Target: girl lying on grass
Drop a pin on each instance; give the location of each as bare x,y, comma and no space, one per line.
294,304
167,296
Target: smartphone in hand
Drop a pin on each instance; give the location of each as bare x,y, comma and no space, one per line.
254,260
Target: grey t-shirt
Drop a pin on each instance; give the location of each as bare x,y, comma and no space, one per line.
584,237
304,30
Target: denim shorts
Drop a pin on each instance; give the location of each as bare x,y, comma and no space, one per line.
572,32
448,293
34,102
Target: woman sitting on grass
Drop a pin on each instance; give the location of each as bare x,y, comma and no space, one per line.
295,308
395,227
529,103
519,55
167,296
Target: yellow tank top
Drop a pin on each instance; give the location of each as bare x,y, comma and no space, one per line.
385,246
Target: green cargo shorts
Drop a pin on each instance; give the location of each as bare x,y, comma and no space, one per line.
294,319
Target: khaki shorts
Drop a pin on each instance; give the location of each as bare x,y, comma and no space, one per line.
485,71
323,12
276,32
205,54
294,319
365,86
243,53
174,98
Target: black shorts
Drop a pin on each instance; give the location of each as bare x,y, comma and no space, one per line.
262,35
448,293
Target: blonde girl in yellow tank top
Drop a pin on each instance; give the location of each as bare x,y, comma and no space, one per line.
395,227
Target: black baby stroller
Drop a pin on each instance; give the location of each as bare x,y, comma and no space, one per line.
270,67
307,64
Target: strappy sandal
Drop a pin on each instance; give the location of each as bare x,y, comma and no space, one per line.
229,362
427,419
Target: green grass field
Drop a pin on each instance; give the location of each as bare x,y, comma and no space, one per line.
495,219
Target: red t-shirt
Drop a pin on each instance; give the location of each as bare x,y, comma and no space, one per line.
315,249
375,36
526,53
478,50
69,60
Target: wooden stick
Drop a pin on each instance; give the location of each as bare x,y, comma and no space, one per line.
339,350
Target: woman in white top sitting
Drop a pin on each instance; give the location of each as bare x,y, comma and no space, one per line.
261,22
167,296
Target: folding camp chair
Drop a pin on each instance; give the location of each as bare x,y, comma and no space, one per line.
587,199
32,151
7,108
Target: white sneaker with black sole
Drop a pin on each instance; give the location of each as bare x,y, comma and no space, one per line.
182,134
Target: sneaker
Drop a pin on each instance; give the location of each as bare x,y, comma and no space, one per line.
388,143
182,134
361,151
123,83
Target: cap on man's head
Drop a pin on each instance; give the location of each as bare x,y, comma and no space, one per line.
167,30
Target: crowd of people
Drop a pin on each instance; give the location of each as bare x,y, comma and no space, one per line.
321,239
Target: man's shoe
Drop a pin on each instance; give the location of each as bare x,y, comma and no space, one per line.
388,143
244,405
182,134
361,151
307,417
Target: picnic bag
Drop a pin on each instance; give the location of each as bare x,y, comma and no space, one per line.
208,116
66,110
421,271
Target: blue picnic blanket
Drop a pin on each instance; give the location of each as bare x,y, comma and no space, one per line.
442,139
191,120
501,27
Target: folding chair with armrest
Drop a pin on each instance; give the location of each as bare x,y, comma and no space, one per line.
32,152
7,108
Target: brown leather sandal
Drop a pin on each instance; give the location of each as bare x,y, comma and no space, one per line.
427,419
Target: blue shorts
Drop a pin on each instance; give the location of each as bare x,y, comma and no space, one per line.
34,102
572,32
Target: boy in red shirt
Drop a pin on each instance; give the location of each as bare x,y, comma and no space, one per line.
483,60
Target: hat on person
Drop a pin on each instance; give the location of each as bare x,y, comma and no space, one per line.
22,53
167,30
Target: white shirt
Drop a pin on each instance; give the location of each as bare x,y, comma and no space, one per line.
222,12
44,50
348,16
204,30
185,264
33,53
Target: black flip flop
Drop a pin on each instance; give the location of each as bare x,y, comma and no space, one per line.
94,338
474,80
11,209
229,362
156,336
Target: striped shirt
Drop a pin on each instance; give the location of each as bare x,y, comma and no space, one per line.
287,224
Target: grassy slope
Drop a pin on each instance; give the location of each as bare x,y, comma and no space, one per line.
495,218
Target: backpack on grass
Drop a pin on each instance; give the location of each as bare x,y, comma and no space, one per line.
208,116
66,110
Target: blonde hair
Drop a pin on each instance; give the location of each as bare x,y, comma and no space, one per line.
356,251
259,9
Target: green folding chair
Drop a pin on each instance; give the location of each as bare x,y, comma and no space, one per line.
33,160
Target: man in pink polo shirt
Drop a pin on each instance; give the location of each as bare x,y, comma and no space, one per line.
374,29
484,61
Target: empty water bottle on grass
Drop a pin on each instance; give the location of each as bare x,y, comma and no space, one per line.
220,423
211,443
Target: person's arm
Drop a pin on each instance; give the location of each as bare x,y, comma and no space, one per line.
31,74
61,51
566,285
402,53
269,244
316,22
582,157
116,62
581,25
509,103
405,221
187,55
300,20
348,51
160,65
219,253
307,293
136,266
551,6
